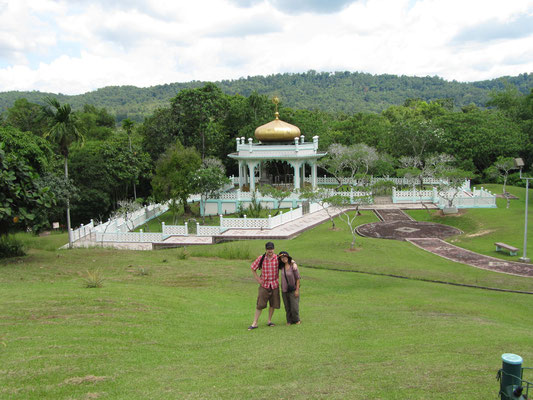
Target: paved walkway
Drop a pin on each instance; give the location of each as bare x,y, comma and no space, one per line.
392,215
407,226
457,254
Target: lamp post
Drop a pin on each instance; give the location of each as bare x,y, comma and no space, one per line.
520,164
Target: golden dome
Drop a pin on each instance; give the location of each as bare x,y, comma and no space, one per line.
277,130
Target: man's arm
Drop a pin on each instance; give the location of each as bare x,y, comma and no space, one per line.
257,278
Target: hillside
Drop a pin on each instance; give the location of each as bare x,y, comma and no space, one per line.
347,92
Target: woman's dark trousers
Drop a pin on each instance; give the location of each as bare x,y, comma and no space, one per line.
292,309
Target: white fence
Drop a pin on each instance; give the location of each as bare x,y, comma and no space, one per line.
328,180
82,231
478,198
181,230
414,196
463,198
240,223
113,229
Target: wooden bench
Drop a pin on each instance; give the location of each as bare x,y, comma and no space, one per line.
502,246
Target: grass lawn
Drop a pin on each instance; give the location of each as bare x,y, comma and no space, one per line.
179,331
483,227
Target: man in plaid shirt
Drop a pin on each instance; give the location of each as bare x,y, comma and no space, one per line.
268,284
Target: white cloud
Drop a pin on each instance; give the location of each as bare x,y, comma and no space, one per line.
74,47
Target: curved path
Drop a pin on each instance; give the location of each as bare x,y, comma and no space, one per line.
458,254
428,236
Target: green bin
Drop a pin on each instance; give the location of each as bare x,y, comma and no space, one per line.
511,374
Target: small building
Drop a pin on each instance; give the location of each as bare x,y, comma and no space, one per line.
277,141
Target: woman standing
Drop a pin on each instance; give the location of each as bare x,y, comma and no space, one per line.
290,287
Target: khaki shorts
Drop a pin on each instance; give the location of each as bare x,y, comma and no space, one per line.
265,296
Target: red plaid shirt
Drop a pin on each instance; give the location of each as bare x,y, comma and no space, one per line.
269,273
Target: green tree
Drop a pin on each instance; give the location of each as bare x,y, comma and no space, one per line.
346,163
174,176
198,113
277,193
159,132
501,169
209,181
480,136
323,198
127,125
23,201
104,171
27,117
96,123
64,130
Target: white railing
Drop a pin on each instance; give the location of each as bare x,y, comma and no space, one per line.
413,196
202,230
122,225
282,218
478,198
329,180
243,223
178,230
82,231
314,207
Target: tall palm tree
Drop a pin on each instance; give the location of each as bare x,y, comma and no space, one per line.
127,125
64,130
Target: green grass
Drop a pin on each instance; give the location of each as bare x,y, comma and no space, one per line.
179,331
483,227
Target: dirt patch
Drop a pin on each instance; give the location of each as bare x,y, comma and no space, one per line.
461,211
481,233
353,250
187,281
92,396
78,380
509,195
406,229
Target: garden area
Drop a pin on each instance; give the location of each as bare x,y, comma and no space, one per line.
172,323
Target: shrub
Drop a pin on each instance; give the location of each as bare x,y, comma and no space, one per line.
10,247
94,279
142,271
182,254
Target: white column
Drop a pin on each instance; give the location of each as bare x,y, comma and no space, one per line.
251,167
240,174
314,182
296,166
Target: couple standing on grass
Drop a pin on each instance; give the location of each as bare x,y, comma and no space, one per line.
270,265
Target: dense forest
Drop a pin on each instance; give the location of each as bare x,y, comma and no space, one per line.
54,156
346,92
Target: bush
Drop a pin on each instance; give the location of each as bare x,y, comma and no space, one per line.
94,279
11,247
383,188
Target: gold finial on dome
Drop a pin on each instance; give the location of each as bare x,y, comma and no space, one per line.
277,130
275,100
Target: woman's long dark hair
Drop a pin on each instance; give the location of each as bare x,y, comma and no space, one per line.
281,264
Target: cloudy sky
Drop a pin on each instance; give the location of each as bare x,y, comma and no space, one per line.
77,46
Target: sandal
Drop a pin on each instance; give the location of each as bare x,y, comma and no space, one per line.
252,327
271,324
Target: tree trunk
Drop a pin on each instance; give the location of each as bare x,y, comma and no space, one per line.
69,230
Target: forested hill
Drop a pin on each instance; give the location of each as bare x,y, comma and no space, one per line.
347,92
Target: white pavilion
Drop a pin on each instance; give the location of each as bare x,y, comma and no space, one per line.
278,141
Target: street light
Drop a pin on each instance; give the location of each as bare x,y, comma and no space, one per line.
520,164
